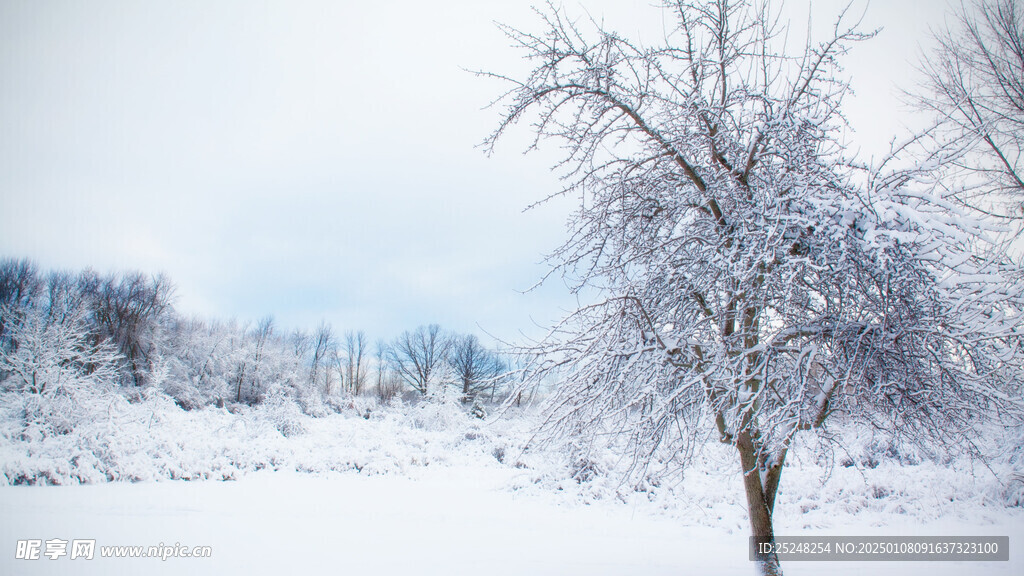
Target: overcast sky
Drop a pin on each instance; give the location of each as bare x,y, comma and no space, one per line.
314,160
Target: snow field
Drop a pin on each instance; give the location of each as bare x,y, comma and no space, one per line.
428,489
450,520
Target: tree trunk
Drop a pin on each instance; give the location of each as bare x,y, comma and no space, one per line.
758,508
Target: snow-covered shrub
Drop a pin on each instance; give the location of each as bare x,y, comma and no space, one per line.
1013,493
439,414
283,414
362,406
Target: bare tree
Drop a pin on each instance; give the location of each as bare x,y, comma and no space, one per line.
419,357
323,348
355,364
975,87
300,343
126,311
476,368
64,297
20,284
744,275
389,384
381,358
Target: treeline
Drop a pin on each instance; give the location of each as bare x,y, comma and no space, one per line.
62,334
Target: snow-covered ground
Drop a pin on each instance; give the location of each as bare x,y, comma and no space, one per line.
450,520
430,490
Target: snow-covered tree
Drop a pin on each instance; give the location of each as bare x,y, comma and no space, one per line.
56,374
744,275
261,371
975,88
194,360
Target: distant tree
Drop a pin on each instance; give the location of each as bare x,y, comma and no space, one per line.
239,352
355,362
197,357
388,384
744,275
300,344
323,349
381,359
476,369
64,297
259,338
20,285
419,358
127,311
975,88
